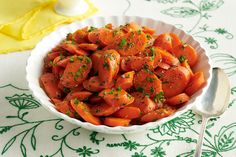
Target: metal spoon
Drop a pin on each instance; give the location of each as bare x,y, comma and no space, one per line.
213,103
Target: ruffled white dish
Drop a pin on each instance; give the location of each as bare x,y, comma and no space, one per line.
35,64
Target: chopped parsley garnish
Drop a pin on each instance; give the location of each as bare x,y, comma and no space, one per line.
152,53
119,89
106,65
140,89
91,29
130,45
66,90
150,79
152,89
182,59
115,32
129,96
122,43
51,63
159,97
148,36
76,101
71,59
139,31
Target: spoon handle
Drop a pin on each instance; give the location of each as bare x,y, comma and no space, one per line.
198,151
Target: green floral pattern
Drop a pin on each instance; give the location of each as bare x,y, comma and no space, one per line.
27,129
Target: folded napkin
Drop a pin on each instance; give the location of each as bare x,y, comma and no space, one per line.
23,23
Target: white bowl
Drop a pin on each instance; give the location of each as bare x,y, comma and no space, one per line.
35,64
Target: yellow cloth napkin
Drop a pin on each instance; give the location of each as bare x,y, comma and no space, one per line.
28,22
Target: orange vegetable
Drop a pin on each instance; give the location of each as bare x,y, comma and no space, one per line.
112,121
125,81
168,58
65,108
73,48
103,109
196,83
186,52
175,40
128,112
49,84
178,99
187,66
164,41
84,111
79,36
175,80
88,47
95,85
80,95
148,30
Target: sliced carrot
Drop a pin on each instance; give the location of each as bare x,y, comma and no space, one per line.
84,111
186,52
187,66
73,48
88,47
154,54
164,41
49,84
55,100
136,63
168,58
128,112
157,114
63,63
144,103
164,65
103,109
109,26
175,80
108,66
94,99
65,108
148,30
80,95
76,72
116,97
52,55
175,40
196,83
112,121
95,85
96,58
132,26
159,72
102,36
125,81
178,99
79,36
147,82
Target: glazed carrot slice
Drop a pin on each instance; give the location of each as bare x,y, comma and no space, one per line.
132,43
63,63
129,27
125,81
175,80
93,84
103,109
157,114
49,84
144,103
187,66
136,63
84,111
52,55
109,26
147,82
175,40
55,100
168,58
88,47
80,95
164,41
178,99
186,52
148,30
196,83
112,121
65,108
96,58
159,72
94,99
154,54
116,97
79,36
76,72
164,65
108,66
102,36
128,112
73,48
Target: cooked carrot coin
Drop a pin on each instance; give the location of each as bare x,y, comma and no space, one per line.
116,97
187,66
129,27
154,55
108,66
186,52
84,111
125,81
88,47
178,99
168,58
103,109
95,99
157,114
175,80
148,30
49,83
73,48
144,103
128,112
95,85
63,63
196,83
76,72
96,59
175,40
102,36
147,82
164,41
79,36
80,95
112,121
65,108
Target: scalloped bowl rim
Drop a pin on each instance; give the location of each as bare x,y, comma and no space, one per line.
44,100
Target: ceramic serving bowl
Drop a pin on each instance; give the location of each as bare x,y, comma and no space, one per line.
35,65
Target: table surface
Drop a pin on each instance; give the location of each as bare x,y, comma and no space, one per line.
27,129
